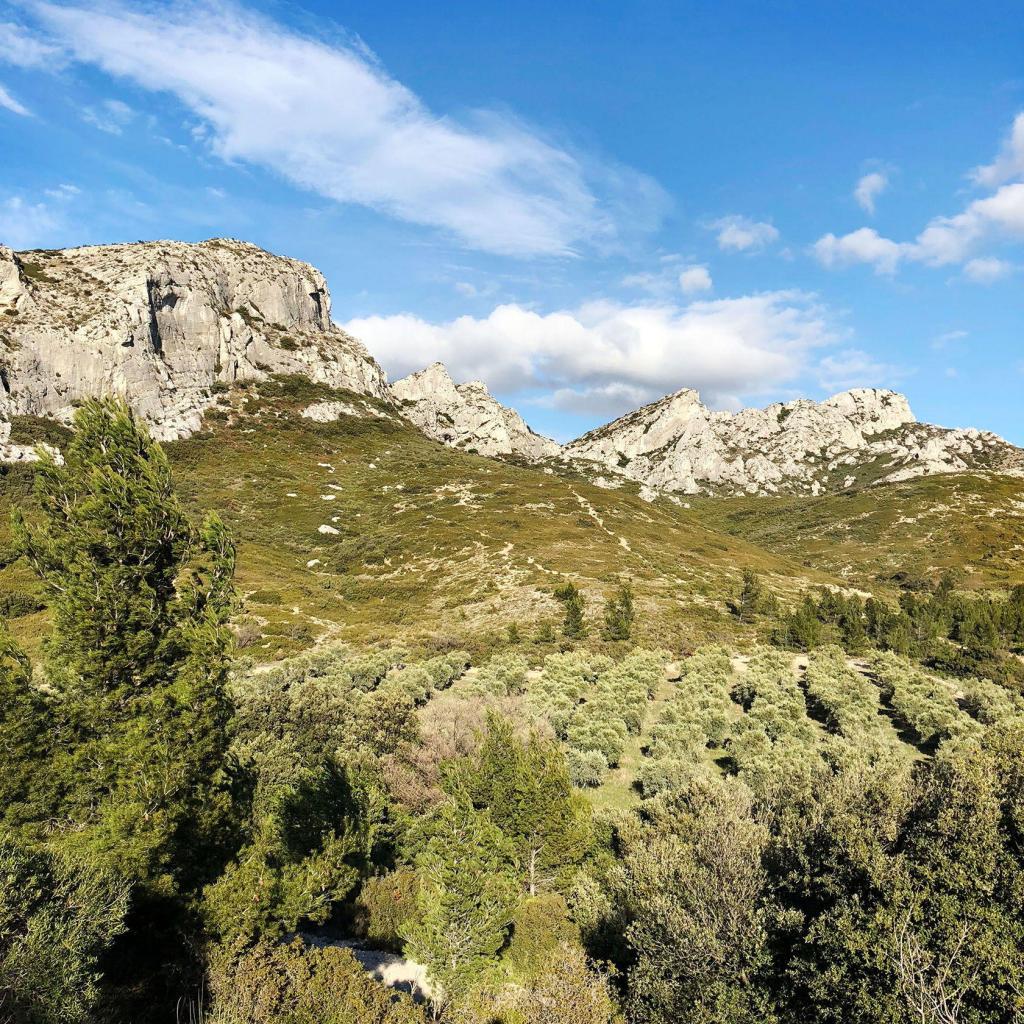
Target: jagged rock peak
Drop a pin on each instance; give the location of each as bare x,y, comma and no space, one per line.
858,436
160,323
466,416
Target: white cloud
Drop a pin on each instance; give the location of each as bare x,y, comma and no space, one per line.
694,279
865,245
8,102
741,234
854,368
987,270
26,225
24,50
606,357
1009,164
868,189
63,191
329,119
945,240
111,116
948,339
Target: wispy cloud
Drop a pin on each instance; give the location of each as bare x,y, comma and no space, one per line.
8,102
24,49
110,116
868,189
741,234
330,119
855,368
606,357
948,339
25,224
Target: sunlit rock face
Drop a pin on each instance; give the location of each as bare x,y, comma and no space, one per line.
467,416
161,324
866,435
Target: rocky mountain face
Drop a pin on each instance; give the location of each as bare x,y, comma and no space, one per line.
858,437
167,325
466,416
162,324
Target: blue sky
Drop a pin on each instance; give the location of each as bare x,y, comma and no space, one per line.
586,205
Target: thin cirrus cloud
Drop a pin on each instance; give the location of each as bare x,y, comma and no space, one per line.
948,240
855,368
110,116
329,119
22,49
605,358
8,102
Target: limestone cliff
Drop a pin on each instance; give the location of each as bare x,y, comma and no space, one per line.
861,436
466,416
160,323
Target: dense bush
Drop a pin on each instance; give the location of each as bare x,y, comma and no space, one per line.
272,983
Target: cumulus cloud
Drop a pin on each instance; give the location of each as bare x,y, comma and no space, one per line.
8,102
694,279
1009,164
864,245
607,357
868,189
741,234
329,118
987,270
946,240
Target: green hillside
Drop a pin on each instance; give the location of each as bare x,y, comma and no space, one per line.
429,542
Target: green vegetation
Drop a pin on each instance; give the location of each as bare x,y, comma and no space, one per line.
236,743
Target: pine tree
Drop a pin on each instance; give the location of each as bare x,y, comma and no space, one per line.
137,658
526,787
573,626
466,898
749,603
619,614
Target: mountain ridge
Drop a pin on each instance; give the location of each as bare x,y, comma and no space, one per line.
170,325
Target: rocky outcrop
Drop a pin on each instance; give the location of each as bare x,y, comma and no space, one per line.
466,416
10,452
858,437
160,323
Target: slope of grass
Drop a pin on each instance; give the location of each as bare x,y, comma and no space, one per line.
366,530
893,533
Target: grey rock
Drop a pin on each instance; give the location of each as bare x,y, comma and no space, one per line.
866,435
467,416
159,323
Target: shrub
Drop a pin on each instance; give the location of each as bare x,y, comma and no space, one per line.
299,984
387,904
56,921
587,768
541,924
